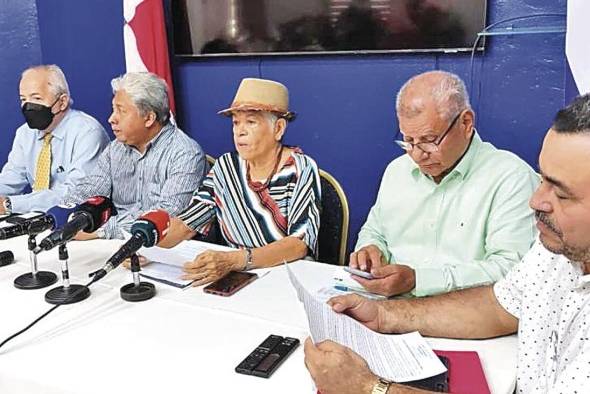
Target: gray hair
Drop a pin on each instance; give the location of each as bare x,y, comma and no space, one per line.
448,92
147,91
271,118
575,118
56,79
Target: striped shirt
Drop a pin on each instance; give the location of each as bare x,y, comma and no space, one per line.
163,177
289,206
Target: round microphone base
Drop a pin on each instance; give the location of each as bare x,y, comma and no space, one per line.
67,295
133,293
39,280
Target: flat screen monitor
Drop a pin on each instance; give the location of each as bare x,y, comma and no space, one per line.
255,27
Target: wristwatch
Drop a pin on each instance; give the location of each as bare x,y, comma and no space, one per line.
381,386
7,206
249,264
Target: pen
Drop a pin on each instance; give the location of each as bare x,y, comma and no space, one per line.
369,294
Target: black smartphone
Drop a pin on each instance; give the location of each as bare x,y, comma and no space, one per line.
230,283
438,383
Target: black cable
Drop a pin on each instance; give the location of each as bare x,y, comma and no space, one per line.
74,294
488,27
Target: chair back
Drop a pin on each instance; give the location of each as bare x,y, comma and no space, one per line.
334,221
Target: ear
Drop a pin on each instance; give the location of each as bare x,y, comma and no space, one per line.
150,119
63,102
280,128
467,121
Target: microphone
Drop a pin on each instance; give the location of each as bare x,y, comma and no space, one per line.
6,258
87,217
26,224
62,214
147,231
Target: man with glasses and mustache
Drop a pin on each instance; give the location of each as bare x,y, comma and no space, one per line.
451,213
545,298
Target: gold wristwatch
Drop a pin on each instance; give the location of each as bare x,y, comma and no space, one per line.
381,386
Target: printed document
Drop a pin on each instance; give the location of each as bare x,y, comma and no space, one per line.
400,358
166,264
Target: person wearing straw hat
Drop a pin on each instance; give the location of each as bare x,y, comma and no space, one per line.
265,196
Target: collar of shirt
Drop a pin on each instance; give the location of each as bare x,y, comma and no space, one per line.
166,129
60,130
583,280
464,165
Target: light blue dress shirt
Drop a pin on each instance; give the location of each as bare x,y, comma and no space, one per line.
77,142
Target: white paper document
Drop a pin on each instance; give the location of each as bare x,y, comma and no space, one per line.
165,273
401,358
343,283
166,264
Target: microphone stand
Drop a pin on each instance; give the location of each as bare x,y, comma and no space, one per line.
34,279
137,291
67,293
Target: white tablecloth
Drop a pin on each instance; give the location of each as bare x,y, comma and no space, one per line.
179,341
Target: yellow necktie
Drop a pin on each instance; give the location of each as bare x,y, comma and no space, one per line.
43,164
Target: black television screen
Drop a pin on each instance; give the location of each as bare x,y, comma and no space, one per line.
223,27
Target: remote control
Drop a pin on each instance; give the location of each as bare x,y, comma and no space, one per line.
268,356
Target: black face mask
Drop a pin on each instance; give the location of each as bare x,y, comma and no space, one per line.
38,116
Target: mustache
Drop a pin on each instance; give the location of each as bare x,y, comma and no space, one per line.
543,218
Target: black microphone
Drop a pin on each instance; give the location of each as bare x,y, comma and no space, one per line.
147,231
87,217
31,223
6,258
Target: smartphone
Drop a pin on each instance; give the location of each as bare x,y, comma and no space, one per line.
438,383
230,283
362,274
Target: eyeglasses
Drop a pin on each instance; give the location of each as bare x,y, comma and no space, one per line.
428,147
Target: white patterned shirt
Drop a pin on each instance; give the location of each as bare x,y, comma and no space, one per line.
550,295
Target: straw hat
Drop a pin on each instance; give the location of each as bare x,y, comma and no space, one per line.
261,95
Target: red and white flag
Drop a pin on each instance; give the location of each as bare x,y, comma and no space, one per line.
146,44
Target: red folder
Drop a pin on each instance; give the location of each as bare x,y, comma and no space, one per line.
465,373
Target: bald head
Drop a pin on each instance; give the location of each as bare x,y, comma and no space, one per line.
442,90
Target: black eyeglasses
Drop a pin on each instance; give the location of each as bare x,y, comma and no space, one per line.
428,147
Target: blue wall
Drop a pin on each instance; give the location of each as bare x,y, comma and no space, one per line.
85,38
346,103
19,48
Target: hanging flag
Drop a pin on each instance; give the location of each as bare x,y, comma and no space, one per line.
577,48
146,44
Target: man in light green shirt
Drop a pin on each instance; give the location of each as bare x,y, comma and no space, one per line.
451,213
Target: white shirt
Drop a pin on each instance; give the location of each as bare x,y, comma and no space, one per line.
550,296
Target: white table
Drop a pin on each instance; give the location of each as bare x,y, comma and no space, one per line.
179,341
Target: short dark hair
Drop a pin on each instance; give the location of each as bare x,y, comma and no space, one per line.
575,118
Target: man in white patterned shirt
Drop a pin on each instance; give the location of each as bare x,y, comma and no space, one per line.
546,297
152,164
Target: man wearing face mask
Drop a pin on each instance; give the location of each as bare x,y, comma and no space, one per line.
56,146
452,212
